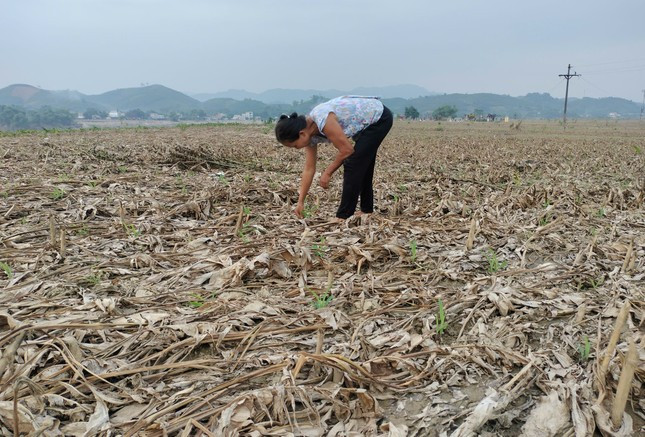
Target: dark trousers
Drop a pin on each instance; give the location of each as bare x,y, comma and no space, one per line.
359,167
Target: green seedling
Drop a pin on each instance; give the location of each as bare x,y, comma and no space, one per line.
584,350
441,318
64,177
131,230
92,184
545,220
58,193
198,300
322,300
309,210
4,194
122,169
7,270
93,279
179,183
494,265
601,212
638,150
244,231
83,231
413,250
319,248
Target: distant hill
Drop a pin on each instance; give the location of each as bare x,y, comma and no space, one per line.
533,105
288,96
147,98
30,97
164,100
231,107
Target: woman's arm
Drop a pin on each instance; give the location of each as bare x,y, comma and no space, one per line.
334,133
307,177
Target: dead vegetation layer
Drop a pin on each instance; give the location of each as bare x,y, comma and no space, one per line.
156,282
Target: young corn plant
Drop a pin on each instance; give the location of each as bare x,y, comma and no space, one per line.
546,219
309,210
584,350
413,250
322,300
441,318
58,193
198,300
132,230
244,232
7,270
64,177
494,265
93,279
319,248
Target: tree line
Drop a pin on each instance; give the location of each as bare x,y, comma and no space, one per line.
138,114
14,118
441,113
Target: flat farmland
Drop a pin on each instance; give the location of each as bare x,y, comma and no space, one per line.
155,281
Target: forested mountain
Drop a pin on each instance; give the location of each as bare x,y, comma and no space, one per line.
164,100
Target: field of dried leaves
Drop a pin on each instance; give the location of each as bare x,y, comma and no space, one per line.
156,282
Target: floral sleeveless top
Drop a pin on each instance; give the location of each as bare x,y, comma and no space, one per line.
354,113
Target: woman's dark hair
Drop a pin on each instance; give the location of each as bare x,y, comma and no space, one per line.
289,126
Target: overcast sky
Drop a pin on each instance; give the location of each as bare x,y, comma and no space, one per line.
198,46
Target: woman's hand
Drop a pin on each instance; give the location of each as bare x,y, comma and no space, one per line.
300,208
324,180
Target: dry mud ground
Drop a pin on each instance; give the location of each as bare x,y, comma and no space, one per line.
156,282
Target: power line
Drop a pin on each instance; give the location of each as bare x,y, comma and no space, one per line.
596,86
566,94
612,62
556,85
619,70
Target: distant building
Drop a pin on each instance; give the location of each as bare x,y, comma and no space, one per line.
155,116
614,115
114,114
218,117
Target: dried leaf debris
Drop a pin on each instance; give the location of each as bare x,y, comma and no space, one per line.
156,282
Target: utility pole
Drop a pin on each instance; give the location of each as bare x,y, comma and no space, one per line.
643,105
566,94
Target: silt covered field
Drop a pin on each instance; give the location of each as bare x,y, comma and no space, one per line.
156,282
